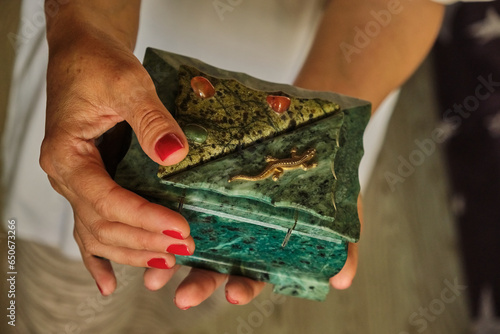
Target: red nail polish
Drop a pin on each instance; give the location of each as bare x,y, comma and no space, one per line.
158,263
167,145
178,249
173,234
232,301
100,290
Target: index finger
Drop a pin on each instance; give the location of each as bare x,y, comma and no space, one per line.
91,183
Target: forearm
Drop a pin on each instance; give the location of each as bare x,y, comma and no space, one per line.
341,60
116,20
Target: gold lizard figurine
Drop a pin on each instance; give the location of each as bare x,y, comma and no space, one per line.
276,167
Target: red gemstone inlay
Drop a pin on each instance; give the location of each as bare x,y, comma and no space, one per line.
280,104
202,87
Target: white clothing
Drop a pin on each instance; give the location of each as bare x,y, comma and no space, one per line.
265,39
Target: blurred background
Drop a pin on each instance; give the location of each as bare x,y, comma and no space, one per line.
425,258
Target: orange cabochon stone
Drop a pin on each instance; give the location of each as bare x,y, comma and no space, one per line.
280,104
202,87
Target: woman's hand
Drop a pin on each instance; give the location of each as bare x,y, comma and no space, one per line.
94,82
200,284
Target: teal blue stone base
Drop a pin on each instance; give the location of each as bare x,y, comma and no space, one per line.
301,268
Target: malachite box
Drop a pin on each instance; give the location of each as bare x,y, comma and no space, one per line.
270,184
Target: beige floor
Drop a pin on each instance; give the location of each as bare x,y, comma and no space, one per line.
408,248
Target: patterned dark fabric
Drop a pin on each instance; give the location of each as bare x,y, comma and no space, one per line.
467,58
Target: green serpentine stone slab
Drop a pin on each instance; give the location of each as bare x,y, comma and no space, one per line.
235,117
239,227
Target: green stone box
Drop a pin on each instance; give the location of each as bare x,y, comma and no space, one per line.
270,184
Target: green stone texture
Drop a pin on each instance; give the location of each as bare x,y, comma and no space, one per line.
236,117
239,227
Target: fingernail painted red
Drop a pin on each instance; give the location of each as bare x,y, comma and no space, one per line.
167,145
232,301
173,234
158,263
100,290
178,249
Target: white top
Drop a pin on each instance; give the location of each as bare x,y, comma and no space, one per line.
266,39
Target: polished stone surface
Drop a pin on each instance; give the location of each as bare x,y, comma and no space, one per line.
239,227
236,116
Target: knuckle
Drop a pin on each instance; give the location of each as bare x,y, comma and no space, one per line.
139,222
144,84
208,278
55,185
90,245
150,122
143,242
101,203
47,163
75,235
98,232
100,206
45,159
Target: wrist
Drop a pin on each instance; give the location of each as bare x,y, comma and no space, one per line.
78,22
